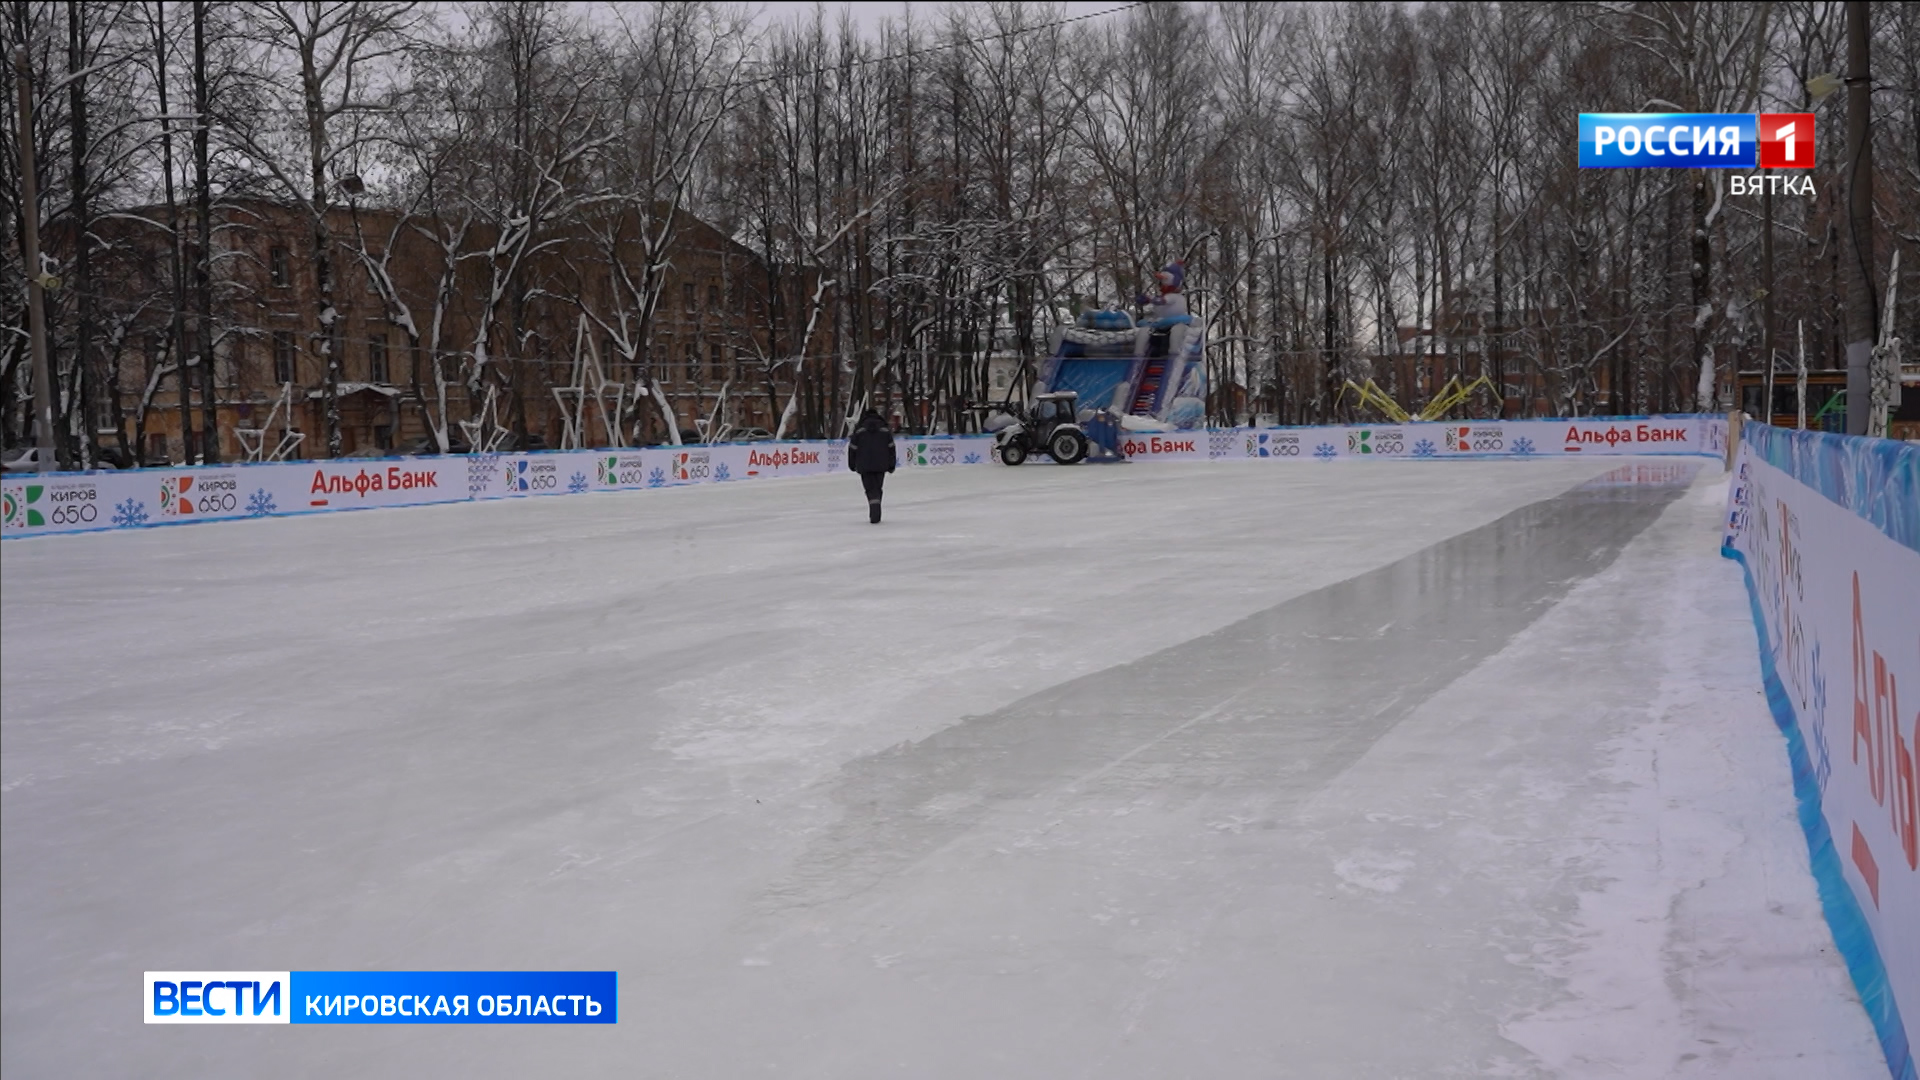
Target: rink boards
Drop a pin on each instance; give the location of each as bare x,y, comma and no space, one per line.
57,503
1828,530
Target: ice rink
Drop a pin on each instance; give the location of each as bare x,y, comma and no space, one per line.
1369,769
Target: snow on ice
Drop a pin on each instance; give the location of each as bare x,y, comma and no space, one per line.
1294,771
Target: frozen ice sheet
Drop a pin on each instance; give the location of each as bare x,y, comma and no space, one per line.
1383,769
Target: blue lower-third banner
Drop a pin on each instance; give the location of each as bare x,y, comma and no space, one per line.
382,997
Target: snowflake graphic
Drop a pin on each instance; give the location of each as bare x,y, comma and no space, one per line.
130,514
578,484
1325,451
260,504
1423,448
970,459
720,472
1523,445
657,477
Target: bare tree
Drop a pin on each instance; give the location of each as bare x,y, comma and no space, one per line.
320,70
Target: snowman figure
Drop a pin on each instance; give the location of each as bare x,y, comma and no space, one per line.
1170,306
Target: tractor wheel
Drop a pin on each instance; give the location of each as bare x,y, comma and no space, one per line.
1013,452
1068,447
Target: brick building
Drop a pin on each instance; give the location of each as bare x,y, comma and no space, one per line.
722,314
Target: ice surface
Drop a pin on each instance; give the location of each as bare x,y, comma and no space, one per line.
1303,771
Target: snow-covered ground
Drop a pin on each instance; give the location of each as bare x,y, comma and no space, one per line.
1160,770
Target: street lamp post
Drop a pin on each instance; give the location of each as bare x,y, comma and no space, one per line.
1859,246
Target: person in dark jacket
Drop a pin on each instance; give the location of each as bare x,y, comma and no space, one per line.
870,453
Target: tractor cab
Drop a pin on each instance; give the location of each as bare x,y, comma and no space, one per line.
1055,408
1051,426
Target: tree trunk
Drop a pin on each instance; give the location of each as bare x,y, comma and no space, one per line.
82,221
322,236
1702,274
203,270
175,325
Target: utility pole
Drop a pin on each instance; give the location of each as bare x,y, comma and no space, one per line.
36,277
1860,326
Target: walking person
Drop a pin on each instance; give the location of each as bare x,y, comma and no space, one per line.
870,453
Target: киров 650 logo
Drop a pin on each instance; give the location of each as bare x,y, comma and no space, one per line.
33,505
185,496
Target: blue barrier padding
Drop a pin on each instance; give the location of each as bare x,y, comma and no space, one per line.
1851,935
1877,480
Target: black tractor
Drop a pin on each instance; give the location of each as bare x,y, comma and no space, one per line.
1049,427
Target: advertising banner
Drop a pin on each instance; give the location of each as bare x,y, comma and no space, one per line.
1828,529
770,460
1654,435
84,502
141,498
37,505
1477,438
1226,445
927,451
352,485
1292,444
689,465
202,495
506,476
626,470
1165,446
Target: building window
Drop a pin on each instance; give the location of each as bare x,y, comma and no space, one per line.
377,359
663,366
383,436
717,362
157,448
693,361
283,356
277,273
686,295
713,298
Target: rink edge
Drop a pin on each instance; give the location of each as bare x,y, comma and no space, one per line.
1848,923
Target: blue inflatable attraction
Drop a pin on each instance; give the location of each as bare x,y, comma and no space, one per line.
1154,368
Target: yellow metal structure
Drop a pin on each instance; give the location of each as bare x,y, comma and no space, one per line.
1452,394
1370,393
1449,396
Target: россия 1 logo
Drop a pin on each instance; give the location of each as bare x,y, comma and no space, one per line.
1696,140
